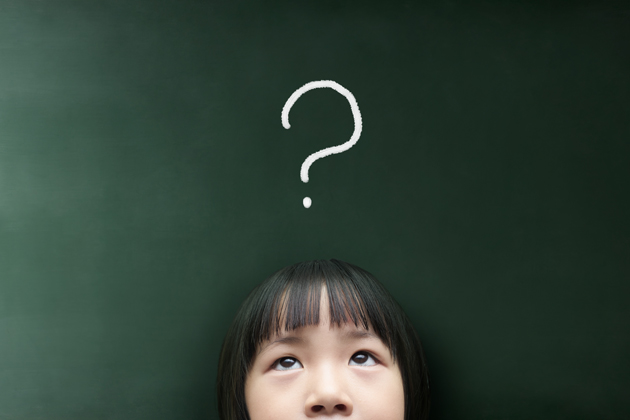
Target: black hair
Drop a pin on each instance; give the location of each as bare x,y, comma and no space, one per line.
290,299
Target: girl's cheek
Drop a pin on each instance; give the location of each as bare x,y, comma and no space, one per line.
370,374
283,378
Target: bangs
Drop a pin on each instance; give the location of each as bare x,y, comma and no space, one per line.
291,299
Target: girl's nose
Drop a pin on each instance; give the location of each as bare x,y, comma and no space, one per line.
328,395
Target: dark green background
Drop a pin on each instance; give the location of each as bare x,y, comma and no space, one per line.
147,184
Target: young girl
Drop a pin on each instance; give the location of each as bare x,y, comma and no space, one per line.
322,339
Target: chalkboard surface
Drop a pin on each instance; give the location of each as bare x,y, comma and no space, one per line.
147,184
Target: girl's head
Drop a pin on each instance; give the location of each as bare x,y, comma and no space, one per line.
321,338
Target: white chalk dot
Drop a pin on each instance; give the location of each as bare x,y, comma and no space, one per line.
307,202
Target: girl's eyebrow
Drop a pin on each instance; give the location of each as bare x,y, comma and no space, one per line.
293,339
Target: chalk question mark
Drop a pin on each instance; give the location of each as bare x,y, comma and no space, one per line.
358,125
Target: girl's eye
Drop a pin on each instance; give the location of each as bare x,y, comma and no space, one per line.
287,363
362,358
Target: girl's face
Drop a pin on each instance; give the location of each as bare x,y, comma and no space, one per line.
319,371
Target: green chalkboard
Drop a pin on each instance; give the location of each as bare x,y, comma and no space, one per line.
147,184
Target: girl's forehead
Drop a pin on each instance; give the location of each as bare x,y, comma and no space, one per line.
307,318
312,334
323,313
310,312
343,332
324,325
